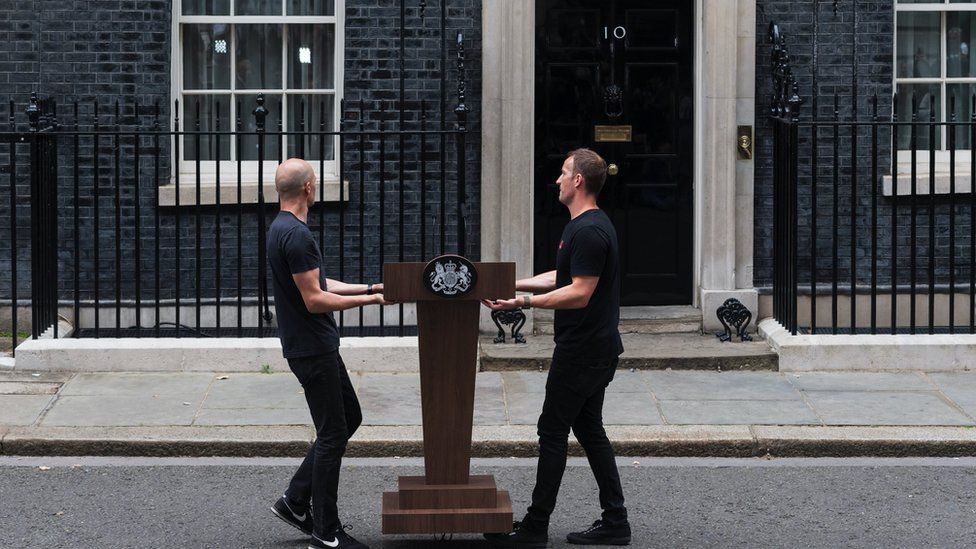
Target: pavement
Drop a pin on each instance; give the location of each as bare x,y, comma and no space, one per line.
651,413
194,503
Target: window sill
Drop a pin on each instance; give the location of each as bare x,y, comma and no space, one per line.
922,183
228,191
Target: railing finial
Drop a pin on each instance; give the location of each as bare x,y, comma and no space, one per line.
786,98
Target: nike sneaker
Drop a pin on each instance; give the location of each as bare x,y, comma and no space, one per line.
601,533
336,540
302,521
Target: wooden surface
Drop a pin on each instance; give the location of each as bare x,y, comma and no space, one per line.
448,363
404,282
479,493
396,520
447,499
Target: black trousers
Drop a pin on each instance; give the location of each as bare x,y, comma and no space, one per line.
336,415
574,401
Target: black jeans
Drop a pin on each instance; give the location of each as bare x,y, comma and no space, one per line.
336,415
574,400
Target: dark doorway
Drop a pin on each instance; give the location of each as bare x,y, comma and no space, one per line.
615,64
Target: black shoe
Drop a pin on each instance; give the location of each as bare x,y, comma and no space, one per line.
601,533
302,521
336,540
520,537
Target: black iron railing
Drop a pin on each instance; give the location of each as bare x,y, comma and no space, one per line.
865,244
105,249
874,224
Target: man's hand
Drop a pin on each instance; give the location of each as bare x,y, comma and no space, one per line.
378,288
503,304
378,299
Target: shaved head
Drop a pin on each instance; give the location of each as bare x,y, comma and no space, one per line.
291,177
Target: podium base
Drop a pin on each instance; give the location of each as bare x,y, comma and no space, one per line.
419,508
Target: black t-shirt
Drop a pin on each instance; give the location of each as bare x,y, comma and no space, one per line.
588,247
292,250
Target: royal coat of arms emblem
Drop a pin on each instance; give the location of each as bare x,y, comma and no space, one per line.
450,276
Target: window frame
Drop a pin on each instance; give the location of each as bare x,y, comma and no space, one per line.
904,156
249,168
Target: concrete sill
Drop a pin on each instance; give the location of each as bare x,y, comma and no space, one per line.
228,191
963,183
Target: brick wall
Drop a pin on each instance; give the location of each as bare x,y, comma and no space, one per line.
119,50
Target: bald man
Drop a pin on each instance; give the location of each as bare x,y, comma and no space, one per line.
304,302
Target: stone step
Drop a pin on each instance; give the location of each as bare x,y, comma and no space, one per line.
639,320
641,351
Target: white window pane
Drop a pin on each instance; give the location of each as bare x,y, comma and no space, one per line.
206,7
317,112
960,30
311,56
310,7
258,56
209,107
257,7
918,45
206,57
927,100
249,143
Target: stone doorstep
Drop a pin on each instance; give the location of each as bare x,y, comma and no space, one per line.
641,352
882,352
504,441
638,320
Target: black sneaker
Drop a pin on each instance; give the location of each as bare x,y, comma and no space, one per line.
601,533
302,521
520,537
336,540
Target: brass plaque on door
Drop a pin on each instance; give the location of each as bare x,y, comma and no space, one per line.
612,134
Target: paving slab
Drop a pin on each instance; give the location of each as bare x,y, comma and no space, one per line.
110,410
958,387
524,382
28,388
254,416
489,405
391,383
860,381
28,376
721,386
524,408
738,412
256,391
884,408
138,384
22,409
631,409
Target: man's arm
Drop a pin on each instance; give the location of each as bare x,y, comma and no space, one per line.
538,284
319,301
342,288
574,296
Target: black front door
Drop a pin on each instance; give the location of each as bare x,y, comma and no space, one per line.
615,64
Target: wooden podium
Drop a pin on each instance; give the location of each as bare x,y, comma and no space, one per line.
447,499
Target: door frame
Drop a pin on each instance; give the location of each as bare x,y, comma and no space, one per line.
725,51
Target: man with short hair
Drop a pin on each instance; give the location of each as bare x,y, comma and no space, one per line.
304,302
584,290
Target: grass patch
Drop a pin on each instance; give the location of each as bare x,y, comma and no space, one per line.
6,339
265,368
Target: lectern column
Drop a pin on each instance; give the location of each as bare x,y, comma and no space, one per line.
448,358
